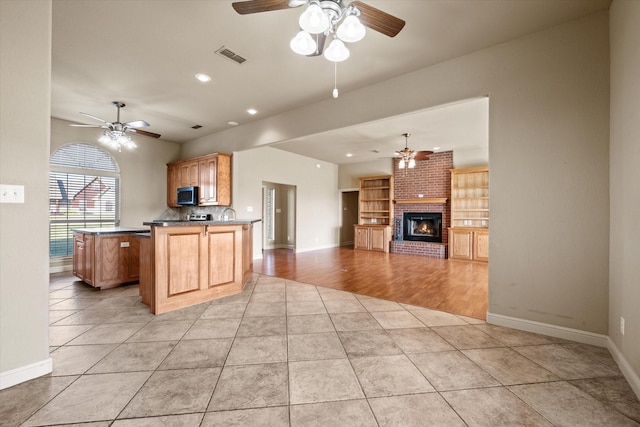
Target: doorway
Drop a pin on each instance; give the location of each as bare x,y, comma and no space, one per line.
279,216
349,216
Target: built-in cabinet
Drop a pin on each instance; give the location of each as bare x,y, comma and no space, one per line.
372,237
375,213
469,232
106,260
210,173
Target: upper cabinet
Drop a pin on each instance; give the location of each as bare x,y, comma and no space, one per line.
215,180
211,173
189,173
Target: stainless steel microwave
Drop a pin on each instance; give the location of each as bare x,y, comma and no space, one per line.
188,196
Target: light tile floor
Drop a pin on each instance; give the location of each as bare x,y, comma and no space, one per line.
284,353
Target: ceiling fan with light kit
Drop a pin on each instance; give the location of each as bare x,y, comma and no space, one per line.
328,19
115,134
409,157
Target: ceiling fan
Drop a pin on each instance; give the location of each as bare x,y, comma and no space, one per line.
119,129
336,11
409,157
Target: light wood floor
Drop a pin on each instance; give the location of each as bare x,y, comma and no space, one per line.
454,286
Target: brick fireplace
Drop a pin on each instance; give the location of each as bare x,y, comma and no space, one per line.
418,190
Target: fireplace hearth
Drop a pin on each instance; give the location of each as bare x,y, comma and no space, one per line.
422,226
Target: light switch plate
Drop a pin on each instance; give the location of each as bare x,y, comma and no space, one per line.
11,193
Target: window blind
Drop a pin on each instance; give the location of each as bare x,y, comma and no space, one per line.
86,199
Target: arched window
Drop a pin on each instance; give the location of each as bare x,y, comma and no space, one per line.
84,192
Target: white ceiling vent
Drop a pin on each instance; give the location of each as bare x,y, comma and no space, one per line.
231,55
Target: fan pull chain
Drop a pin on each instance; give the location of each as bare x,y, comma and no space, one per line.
335,79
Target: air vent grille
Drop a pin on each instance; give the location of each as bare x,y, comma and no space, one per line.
231,55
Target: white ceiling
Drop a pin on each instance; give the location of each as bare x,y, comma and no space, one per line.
145,53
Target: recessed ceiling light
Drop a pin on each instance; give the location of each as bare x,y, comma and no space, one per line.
349,155
436,148
203,77
252,111
232,123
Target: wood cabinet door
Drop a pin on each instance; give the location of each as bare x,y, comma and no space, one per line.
481,245
89,251
460,244
379,240
179,256
133,259
223,178
225,256
361,238
108,267
189,174
207,169
173,182
78,255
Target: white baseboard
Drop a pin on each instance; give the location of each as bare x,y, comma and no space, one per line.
316,248
632,378
570,334
60,269
25,373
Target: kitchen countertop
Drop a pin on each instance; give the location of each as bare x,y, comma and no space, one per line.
181,223
110,230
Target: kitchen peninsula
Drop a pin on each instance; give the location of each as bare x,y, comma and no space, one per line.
183,263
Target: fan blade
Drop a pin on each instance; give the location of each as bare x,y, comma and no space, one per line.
95,118
255,6
136,124
423,155
91,126
378,20
144,132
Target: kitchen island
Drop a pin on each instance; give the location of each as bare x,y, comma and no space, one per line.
106,257
183,263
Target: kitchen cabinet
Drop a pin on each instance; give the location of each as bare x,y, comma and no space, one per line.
173,183
210,173
83,257
106,259
372,237
184,265
215,180
189,173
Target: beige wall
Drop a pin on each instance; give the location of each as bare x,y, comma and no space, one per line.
624,275
316,220
143,171
25,108
548,150
548,153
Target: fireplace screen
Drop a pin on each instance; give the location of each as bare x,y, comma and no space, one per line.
422,226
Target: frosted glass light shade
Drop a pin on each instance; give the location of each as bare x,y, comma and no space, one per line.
412,163
401,164
351,30
313,20
303,43
336,51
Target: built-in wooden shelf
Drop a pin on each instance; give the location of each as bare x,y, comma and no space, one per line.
423,200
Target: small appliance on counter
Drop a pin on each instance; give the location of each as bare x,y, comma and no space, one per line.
199,217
